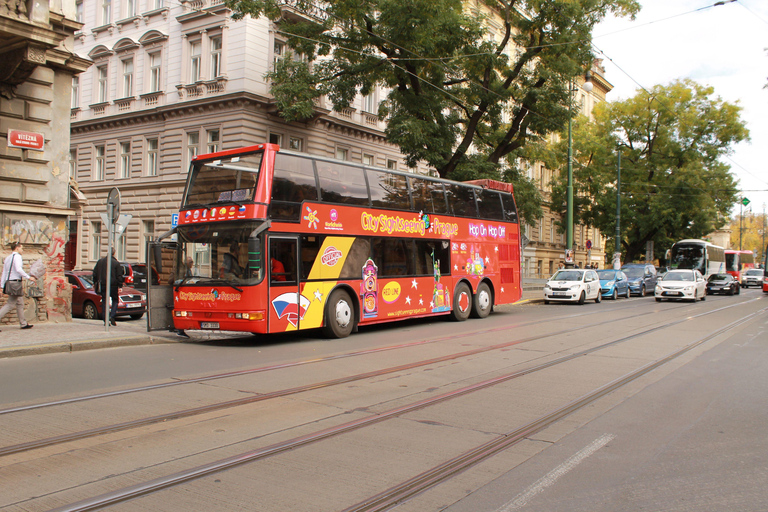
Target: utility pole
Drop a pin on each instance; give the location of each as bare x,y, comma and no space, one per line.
617,248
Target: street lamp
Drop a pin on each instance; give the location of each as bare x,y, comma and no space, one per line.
587,87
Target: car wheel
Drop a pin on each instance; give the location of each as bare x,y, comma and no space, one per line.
642,291
704,296
615,294
738,290
462,303
137,316
600,297
482,302
658,299
546,301
628,295
339,315
582,298
90,312
695,296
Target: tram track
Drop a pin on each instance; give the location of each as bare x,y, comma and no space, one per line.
184,413
439,473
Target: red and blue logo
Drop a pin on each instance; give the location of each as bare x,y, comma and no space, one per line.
292,306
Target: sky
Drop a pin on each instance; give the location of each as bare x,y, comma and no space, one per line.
723,46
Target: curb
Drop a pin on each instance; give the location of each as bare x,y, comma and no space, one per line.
77,346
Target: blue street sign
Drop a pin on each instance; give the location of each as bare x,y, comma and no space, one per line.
174,220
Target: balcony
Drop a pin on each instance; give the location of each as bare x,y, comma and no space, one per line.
202,88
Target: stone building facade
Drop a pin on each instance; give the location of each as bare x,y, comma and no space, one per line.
174,80
37,63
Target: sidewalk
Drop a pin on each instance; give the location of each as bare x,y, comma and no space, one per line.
81,334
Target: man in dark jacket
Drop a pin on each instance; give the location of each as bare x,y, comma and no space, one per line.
115,281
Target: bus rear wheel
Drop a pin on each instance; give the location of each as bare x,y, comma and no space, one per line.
482,303
462,302
339,315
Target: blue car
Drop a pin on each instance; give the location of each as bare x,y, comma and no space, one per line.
642,278
613,283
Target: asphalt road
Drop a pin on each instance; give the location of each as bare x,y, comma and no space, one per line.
688,435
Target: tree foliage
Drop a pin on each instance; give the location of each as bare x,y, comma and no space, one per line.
674,184
748,232
460,98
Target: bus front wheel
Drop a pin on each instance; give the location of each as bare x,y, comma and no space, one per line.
482,303
462,303
339,315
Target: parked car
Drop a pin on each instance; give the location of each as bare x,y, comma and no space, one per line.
87,303
613,283
752,277
681,285
136,275
723,283
642,278
573,285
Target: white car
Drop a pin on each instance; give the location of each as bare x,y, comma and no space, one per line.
752,277
573,285
681,285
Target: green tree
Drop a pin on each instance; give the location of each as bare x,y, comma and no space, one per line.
458,99
673,182
748,232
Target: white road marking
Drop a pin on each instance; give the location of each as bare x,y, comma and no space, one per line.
523,498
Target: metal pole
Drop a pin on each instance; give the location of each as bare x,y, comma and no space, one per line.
105,301
617,248
569,193
741,223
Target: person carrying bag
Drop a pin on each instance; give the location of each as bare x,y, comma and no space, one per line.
11,281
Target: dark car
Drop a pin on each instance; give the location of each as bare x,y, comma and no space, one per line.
722,283
136,275
87,303
642,278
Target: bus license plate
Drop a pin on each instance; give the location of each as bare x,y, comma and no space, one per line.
209,325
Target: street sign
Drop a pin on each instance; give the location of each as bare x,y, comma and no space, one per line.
114,200
174,220
745,201
25,140
122,223
523,242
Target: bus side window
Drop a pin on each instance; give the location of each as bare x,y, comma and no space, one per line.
292,183
462,200
310,246
489,205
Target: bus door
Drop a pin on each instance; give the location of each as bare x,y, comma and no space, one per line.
162,258
287,305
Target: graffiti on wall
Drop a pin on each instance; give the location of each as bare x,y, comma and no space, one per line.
27,231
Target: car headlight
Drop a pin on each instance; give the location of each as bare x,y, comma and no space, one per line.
610,283
658,288
689,288
575,286
546,286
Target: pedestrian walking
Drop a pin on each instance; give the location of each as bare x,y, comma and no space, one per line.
115,282
11,282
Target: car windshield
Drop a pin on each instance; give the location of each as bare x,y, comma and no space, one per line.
87,282
606,275
754,272
633,272
719,277
568,275
678,276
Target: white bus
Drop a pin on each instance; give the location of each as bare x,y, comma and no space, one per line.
698,255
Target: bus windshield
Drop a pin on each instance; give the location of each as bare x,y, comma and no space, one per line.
225,181
218,254
687,257
731,262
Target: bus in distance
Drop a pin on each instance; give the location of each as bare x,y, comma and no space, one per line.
271,240
736,262
699,255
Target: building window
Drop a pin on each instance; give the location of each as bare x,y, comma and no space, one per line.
103,74
95,240
158,4
125,160
155,68
79,11
552,231
73,164
215,56
342,153
130,8
213,141
392,164
195,53
279,50
120,249
193,146
101,162
75,91
106,12
127,78
276,138
541,231
153,160
368,159
296,144
369,103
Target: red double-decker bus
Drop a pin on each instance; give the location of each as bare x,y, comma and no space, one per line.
270,241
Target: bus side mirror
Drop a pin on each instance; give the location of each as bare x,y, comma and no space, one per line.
157,255
254,256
